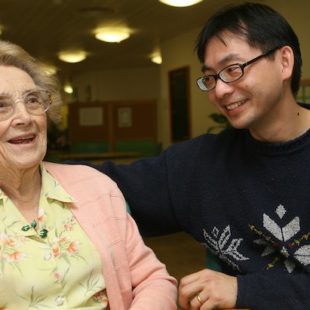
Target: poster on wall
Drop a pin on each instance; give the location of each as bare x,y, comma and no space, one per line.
124,117
92,116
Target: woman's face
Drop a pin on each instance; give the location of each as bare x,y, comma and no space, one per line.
23,138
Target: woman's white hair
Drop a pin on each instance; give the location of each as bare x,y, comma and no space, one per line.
15,56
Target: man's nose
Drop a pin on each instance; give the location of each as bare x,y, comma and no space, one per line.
222,89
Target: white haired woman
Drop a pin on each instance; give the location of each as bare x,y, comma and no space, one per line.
66,240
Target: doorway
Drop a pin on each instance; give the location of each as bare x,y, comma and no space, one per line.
179,104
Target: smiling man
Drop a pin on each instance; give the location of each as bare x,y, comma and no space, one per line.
243,193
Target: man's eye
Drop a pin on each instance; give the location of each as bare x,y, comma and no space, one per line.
208,78
233,70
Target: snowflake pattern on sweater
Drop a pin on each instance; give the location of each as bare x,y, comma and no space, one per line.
283,241
224,246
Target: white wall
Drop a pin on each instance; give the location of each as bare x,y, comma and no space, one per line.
297,12
177,53
127,84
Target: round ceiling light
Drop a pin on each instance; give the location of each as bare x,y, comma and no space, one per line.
180,3
68,89
111,35
49,69
156,58
72,56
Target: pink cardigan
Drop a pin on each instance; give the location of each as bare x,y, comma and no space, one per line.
135,279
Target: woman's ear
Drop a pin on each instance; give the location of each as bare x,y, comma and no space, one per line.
286,55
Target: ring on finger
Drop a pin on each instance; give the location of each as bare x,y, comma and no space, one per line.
199,299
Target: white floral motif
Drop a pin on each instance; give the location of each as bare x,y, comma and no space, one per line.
221,246
59,300
284,234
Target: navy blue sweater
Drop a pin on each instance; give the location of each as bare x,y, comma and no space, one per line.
246,201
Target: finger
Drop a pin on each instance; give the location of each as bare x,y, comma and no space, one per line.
188,292
198,301
210,306
190,278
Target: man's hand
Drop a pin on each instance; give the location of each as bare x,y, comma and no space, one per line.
208,289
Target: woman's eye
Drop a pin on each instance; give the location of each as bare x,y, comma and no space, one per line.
5,103
32,99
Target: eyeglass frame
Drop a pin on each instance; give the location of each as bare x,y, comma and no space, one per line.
200,81
46,103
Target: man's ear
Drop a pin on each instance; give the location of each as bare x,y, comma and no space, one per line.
286,55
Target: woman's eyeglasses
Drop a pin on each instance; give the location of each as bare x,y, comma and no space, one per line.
36,102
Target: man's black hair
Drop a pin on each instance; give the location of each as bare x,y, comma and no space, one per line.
260,25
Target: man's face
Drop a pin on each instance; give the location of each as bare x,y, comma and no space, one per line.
254,100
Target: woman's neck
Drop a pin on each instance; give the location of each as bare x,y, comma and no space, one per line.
23,187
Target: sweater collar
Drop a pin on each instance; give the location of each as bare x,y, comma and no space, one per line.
280,147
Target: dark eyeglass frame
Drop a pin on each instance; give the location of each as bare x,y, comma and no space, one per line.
201,81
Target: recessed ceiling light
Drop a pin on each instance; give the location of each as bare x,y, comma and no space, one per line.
180,3
156,58
49,69
68,89
112,35
72,56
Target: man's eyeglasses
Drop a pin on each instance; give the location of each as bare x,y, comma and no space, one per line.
228,74
36,102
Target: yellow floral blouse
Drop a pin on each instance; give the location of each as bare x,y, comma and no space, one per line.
49,263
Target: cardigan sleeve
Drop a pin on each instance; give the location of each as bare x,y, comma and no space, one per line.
151,283
128,264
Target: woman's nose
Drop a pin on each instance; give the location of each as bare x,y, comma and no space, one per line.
21,115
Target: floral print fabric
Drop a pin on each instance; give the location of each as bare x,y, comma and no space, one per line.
49,263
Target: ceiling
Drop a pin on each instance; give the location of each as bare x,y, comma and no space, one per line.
44,27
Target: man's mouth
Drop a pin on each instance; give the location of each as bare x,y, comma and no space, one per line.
234,105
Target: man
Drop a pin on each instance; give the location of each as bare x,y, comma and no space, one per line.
244,193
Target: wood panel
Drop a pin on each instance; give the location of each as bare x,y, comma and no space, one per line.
121,120
143,120
81,131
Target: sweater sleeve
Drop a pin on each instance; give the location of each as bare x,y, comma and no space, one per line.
158,188
151,283
266,290
145,187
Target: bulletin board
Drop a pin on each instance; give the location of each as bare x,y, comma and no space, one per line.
88,122
112,121
135,120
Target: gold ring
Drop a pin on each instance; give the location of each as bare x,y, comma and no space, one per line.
199,299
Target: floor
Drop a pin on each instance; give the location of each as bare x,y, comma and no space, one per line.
181,253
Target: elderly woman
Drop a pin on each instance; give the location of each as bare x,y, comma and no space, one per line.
66,240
